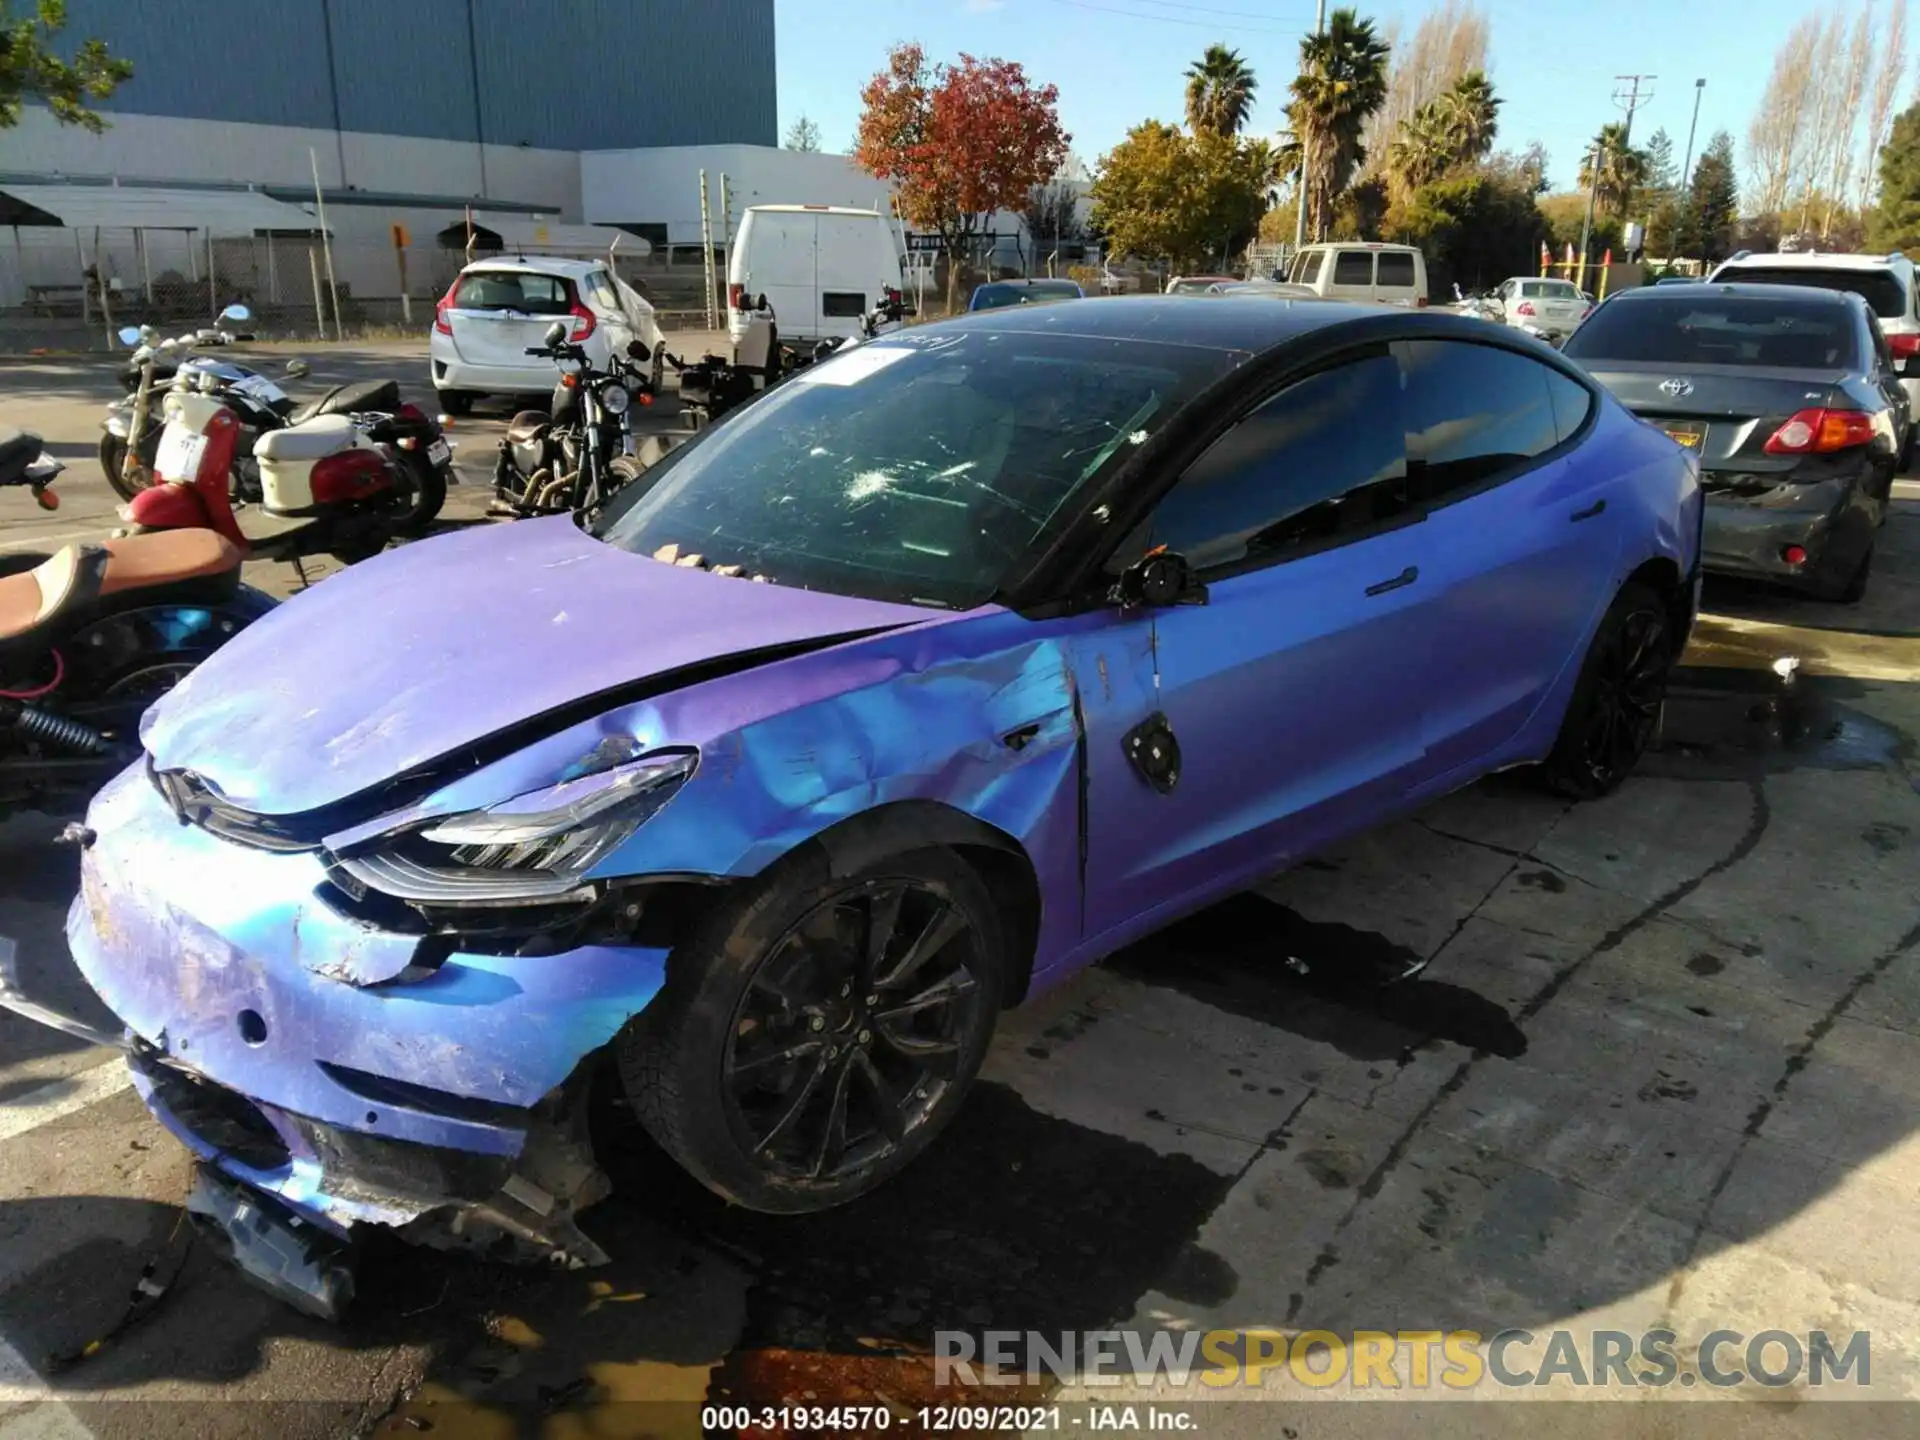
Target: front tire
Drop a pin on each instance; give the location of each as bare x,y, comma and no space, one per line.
1615,709
113,457
818,1031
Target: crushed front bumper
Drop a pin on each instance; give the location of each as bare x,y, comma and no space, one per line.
305,1054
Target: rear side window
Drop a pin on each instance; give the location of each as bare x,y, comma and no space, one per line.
1308,269
604,295
1879,288
1396,268
848,304
1353,267
1473,413
1808,334
1572,403
521,290
1319,462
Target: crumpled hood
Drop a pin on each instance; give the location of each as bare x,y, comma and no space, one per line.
416,653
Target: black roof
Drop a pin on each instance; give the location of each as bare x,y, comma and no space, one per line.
1249,324
1703,289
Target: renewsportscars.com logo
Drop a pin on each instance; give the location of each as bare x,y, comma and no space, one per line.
1403,1359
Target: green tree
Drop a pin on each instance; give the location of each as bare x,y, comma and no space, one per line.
1470,115
1342,80
1713,203
1450,132
803,135
29,69
1622,171
1189,199
1220,90
1475,228
1662,173
1895,221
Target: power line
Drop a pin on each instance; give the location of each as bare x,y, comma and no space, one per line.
1175,20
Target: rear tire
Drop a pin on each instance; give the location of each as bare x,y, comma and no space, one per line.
818,1031
456,402
1853,589
429,495
1615,708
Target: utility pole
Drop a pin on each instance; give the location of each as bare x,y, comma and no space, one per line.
1586,226
1300,216
1633,100
1699,86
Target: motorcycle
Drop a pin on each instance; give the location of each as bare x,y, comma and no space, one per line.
339,485
579,451
93,634
713,386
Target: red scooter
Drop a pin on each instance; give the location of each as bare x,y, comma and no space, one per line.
336,485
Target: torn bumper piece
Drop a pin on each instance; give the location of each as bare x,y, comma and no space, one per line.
272,1246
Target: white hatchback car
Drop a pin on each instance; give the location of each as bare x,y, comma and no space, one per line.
1545,308
495,310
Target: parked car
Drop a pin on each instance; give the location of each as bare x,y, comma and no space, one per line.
820,267
1677,280
1791,400
1197,284
1363,270
998,293
1545,308
1886,282
942,669
496,310
1274,289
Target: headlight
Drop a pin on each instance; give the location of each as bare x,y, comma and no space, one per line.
532,849
614,398
170,405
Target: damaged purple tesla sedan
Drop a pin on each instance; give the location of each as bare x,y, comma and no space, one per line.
948,666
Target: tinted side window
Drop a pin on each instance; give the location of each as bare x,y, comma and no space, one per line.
1572,403
1310,263
1473,413
1881,351
1396,269
1353,267
1318,462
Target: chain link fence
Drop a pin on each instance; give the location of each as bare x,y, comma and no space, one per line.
72,288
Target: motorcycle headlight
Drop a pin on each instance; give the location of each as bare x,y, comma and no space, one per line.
614,398
533,849
170,405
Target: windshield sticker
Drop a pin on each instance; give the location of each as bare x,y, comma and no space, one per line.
852,367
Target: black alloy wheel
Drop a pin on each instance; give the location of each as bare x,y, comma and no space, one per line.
817,1032
1614,713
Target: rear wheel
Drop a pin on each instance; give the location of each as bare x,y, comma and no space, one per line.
1615,709
429,495
456,402
1853,589
819,1031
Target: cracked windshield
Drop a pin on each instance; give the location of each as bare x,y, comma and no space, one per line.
916,472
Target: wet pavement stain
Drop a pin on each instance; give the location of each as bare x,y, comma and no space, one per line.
1885,838
1726,723
1544,880
1328,982
1012,1220
1706,964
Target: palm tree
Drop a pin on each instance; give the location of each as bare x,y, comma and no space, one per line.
1471,113
1343,79
1620,172
1220,89
1422,148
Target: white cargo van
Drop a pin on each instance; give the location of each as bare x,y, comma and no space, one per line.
821,267
1362,270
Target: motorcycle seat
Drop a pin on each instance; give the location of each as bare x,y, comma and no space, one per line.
309,440
527,427
78,574
18,449
354,399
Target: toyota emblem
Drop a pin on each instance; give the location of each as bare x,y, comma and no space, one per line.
1676,387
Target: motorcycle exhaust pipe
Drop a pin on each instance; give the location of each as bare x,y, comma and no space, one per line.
57,731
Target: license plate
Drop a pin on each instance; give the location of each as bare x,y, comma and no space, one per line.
439,452
1688,437
179,457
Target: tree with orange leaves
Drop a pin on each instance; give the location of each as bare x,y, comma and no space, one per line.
958,141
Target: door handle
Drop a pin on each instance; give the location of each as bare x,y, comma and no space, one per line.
1404,578
1591,511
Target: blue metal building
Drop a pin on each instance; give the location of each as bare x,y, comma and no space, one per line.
549,74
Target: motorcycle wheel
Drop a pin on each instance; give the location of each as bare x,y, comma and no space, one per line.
429,495
113,454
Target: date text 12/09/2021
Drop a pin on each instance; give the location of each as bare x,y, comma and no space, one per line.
1015,1419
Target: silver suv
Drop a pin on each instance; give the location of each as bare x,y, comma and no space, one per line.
1885,282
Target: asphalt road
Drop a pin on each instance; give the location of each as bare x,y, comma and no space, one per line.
1663,1068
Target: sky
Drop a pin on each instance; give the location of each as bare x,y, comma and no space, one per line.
1118,62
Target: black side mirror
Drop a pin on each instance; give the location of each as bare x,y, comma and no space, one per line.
556,332
637,350
1157,579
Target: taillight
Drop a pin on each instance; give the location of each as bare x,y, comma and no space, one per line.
583,320
440,321
1904,346
1819,432
1525,307
737,296
349,475
1420,302
411,411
